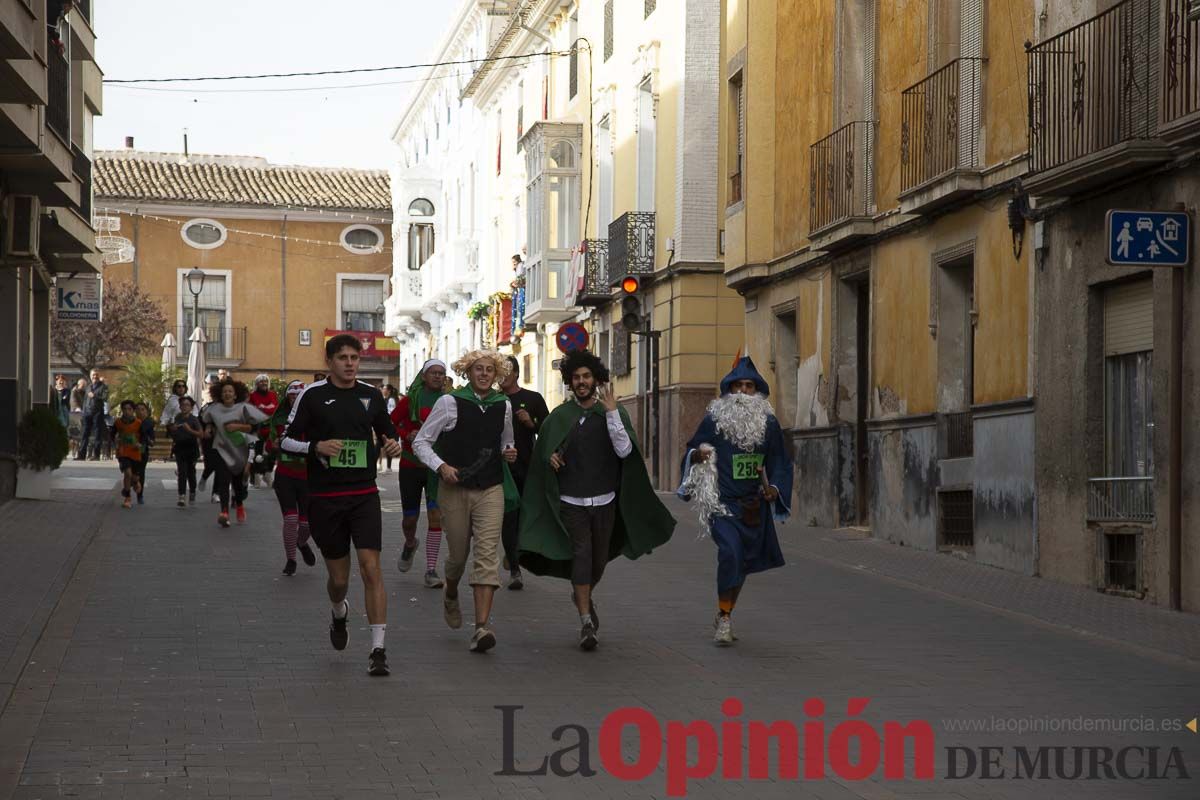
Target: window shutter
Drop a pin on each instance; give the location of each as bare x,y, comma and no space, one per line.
869,100
364,296
970,81
1129,318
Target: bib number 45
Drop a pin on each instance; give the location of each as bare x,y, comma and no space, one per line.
352,455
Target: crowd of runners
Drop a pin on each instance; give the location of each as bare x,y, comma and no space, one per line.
509,485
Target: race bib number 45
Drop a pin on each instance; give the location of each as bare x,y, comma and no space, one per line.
353,455
745,466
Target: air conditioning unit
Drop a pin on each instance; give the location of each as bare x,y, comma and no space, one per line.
23,214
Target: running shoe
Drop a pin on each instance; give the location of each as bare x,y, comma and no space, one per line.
214,499
192,499
127,502
141,500
406,556
241,515
432,581
451,612
377,663
592,611
724,634
307,554
182,501
514,580
717,621
338,634
587,636
482,640
290,567
223,519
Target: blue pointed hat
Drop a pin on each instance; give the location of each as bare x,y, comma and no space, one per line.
744,370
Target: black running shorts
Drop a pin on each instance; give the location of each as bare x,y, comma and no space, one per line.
292,493
339,522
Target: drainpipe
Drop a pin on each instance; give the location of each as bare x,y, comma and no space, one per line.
1175,443
283,338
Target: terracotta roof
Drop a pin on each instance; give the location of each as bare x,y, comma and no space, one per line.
235,181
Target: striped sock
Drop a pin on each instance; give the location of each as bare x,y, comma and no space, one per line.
290,531
302,532
433,545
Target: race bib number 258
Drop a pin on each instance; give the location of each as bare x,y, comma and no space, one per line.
745,466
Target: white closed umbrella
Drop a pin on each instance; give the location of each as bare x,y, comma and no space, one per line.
168,357
196,367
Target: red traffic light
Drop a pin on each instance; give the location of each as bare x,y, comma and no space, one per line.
630,285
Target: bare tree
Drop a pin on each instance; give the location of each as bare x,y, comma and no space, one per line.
133,323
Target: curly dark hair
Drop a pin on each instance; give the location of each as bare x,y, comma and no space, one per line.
242,393
583,358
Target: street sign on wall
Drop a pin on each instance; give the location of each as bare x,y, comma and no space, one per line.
79,299
1149,238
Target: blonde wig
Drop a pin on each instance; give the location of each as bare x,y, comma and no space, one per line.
463,365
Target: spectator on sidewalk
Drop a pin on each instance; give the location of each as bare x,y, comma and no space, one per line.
95,428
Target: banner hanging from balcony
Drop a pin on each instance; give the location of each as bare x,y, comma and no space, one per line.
375,343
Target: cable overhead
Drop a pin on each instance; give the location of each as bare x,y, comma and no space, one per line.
312,73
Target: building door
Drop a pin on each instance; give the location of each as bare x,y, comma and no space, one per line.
862,343
647,143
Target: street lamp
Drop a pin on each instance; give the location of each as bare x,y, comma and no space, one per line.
195,283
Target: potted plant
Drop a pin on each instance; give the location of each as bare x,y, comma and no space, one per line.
41,447
478,311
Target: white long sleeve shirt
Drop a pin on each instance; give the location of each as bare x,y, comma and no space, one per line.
444,417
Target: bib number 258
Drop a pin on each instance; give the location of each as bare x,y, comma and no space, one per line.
745,466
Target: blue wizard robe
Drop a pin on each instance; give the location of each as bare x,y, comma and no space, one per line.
741,549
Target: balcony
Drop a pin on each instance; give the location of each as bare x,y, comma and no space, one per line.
1092,108
840,186
58,102
596,290
1121,500
226,346
1181,76
81,168
939,136
630,246
19,26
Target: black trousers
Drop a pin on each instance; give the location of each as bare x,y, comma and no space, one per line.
510,534
186,467
211,457
228,479
95,427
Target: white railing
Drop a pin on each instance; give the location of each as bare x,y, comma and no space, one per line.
1121,499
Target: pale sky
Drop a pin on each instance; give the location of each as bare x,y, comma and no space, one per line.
345,127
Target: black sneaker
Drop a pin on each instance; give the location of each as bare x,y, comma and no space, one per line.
307,554
514,580
587,636
377,663
338,635
289,568
406,556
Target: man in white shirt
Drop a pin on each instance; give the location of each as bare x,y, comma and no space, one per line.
468,441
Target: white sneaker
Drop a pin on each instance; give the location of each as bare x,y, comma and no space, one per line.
482,640
182,502
724,634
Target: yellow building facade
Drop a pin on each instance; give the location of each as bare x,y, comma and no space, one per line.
870,150
290,256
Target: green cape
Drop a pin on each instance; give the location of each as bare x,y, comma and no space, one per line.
512,498
643,522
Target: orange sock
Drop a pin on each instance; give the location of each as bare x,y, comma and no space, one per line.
725,606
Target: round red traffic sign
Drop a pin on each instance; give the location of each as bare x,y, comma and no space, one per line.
572,337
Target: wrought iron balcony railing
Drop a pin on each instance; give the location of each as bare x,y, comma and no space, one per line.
596,288
58,101
224,344
1091,86
839,176
630,246
1181,64
940,118
1120,499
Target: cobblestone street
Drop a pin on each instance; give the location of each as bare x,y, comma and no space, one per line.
148,653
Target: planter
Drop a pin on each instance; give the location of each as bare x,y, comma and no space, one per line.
33,484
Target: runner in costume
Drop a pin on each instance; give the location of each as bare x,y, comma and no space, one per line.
588,498
738,471
227,420
408,415
127,436
266,401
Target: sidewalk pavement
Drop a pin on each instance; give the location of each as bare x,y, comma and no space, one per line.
155,655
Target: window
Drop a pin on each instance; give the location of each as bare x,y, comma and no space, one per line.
499,142
573,68
420,244
420,208
204,234
647,144
361,304
737,137
213,302
1128,384
608,30
520,113
604,155
362,239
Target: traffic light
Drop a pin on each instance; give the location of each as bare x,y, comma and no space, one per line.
631,304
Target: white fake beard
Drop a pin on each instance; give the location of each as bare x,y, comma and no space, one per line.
702,486
741,418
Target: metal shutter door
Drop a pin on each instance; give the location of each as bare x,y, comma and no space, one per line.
1129,318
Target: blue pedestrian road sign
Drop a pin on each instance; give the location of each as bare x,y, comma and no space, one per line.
1149,238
